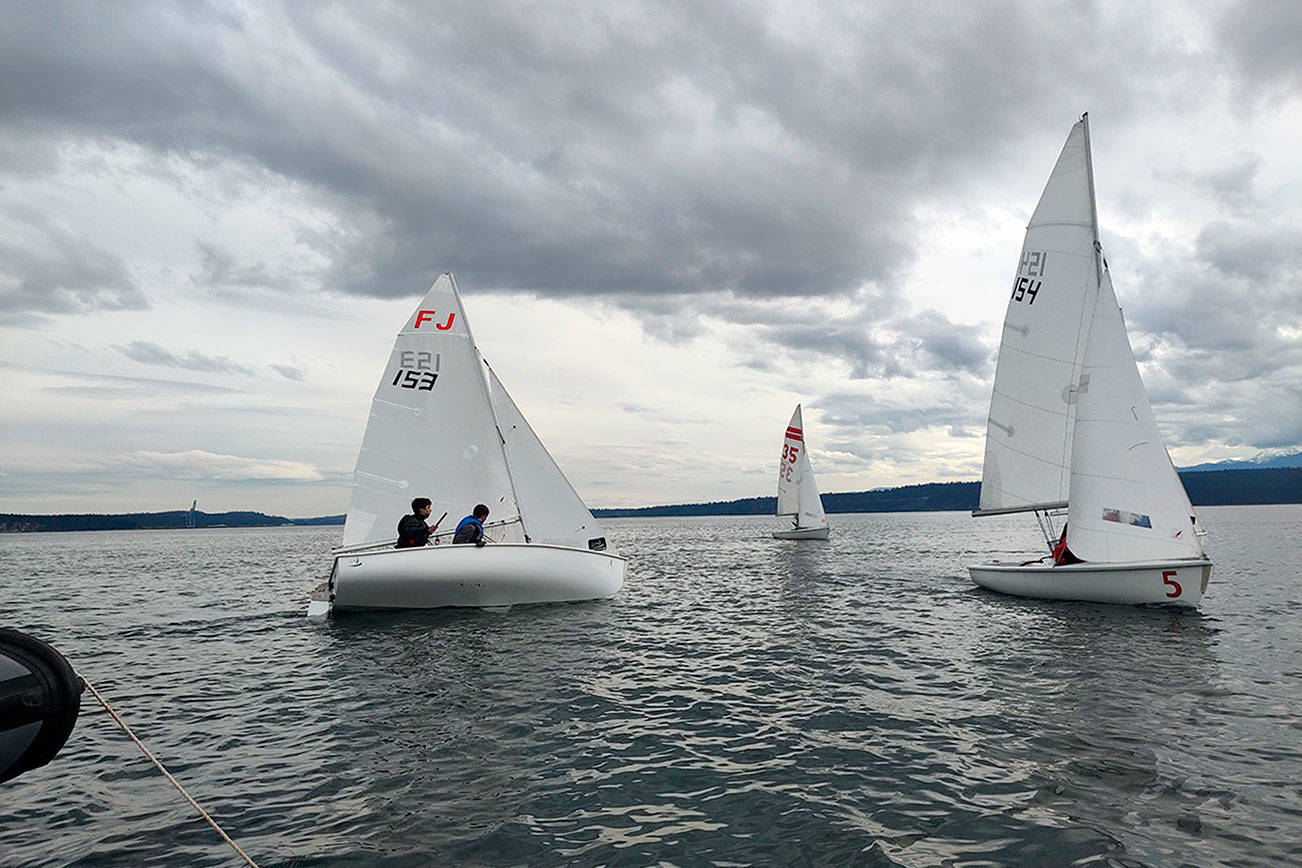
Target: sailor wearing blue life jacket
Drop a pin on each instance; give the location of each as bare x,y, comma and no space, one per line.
471,528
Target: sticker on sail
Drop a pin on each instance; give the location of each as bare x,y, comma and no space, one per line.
1121,516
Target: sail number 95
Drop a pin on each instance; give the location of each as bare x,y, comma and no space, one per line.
789,454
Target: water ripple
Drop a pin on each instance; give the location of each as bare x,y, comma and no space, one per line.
742,702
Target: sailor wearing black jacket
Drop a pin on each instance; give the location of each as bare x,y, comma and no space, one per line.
412,530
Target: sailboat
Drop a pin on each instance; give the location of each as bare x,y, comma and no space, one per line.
1070,426
443,426
797,490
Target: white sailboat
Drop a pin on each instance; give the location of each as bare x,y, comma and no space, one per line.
1070,425
442,426
797,491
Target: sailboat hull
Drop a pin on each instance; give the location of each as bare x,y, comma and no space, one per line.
1171,582
504,574
801,533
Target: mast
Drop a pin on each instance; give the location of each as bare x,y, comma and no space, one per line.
1094,206
488,399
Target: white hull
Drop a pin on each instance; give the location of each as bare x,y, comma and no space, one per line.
502,574
801,533
1171,582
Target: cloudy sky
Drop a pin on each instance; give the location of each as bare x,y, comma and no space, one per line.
670,223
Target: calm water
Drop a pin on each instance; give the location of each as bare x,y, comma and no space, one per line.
743,701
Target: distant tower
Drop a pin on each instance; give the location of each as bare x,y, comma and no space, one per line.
189,519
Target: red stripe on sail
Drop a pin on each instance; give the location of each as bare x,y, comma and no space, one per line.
794,434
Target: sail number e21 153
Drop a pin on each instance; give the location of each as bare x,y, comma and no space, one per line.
417,370
421,381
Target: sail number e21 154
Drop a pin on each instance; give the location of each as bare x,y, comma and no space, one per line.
1026,287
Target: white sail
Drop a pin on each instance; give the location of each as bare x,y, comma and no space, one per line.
431,431
797,489
790,467
1029,431
811,505
1127,502
551,510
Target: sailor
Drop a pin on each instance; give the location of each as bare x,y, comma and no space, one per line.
412,529
471,529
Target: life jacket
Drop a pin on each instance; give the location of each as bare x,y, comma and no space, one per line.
469,530
412,532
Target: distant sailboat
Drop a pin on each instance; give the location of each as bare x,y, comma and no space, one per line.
1070,424
442,426
797,490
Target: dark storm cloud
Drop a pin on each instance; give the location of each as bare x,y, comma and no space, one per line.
848,413
290,372
683,160
46,268
1216,334
570,149
221,268
1262,254
904,345
148,353
1263,37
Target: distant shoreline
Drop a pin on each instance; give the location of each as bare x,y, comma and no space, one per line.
1205,488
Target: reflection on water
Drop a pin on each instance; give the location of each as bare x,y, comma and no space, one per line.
743,701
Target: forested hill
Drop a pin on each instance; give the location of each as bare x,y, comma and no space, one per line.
153,521
1206,488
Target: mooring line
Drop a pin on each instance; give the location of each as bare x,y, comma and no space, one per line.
153,759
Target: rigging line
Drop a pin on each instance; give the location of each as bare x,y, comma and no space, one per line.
153,759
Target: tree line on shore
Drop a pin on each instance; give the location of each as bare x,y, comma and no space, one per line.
1205,488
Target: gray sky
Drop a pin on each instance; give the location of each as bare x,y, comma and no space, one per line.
670,223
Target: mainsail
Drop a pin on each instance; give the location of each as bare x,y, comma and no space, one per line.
1029,431
790,467
1127,502
431,431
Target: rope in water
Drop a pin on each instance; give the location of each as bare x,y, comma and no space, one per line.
153,759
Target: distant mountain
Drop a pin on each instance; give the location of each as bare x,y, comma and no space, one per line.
1260,461
1205,488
